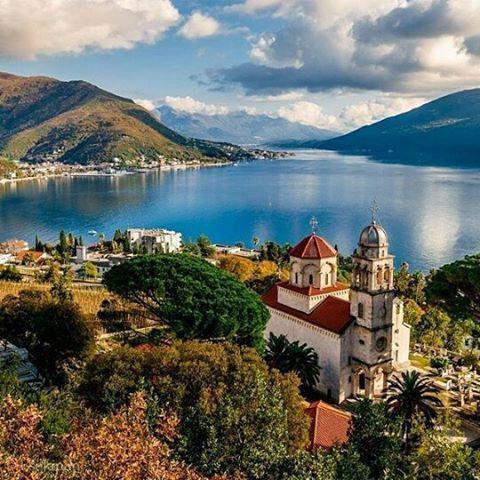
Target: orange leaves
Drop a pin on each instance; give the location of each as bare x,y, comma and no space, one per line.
121,446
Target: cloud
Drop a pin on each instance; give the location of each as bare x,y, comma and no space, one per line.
199,25
192,106
420,46
308,113
365,113
145,103
29,28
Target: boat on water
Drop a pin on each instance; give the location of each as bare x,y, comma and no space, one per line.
93,233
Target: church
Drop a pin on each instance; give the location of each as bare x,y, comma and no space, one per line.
357,330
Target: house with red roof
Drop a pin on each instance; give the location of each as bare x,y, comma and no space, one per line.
357,330
329,426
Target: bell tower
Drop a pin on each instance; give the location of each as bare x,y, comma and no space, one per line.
374,306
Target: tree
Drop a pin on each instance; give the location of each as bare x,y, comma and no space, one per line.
88,270
288,356
128,444
433,328
438,457
10,274
274,252
63,243
412,314
376,438
195,299
53,332
456,288
235,414
241,268
205,246
411,395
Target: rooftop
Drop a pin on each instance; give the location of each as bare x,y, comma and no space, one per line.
329,426
313,247
333,314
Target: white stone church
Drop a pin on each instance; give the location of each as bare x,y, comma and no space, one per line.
357,330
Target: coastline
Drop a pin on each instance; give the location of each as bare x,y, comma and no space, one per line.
119,173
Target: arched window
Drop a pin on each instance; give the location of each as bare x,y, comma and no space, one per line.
360,310
379,276
327,279
310,279
386,275
296,277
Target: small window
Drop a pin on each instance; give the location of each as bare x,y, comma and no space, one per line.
296,277
398,309
310,279
361,342
360,310
326,279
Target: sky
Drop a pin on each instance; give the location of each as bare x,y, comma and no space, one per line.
335,64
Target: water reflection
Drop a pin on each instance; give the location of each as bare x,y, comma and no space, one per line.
432,214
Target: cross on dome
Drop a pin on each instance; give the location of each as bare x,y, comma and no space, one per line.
314,224
374,210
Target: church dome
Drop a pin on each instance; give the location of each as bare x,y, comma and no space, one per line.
373,236
313,247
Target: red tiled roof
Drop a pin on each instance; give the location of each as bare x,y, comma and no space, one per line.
329,426
34,255
332,314
313,246
311,291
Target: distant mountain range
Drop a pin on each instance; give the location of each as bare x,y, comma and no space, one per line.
76,122
240,127
446,127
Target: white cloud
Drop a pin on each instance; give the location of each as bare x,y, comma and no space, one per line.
365,113
29,28
145,103
199,25
308,113
191,106
426,47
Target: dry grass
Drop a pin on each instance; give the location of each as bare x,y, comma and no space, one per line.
89,298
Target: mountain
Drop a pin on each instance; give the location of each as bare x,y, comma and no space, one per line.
446,127
76,122
239,127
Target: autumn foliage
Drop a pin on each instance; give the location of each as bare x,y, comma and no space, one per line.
125,445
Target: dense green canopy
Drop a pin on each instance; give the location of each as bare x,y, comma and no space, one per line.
456,288
196,299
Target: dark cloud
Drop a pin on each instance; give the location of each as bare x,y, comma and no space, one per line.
472,44
414,21
416,48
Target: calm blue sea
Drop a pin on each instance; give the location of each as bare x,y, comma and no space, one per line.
432,214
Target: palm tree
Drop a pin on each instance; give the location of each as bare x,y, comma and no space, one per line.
288,357
412,395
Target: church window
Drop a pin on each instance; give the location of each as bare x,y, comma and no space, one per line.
296,277
326,279
398,309
360,310
310,279
361,342
379,276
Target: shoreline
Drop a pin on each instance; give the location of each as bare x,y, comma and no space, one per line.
119,173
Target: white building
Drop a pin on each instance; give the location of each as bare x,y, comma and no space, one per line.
155,240
357,330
